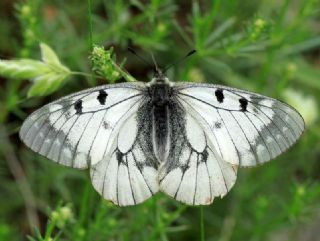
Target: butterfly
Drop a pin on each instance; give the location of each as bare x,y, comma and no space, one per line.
186,140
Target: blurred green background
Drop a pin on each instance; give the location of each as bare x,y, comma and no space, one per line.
268,46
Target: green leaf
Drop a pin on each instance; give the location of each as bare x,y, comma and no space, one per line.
46,84
51,59
47,75
48,55
22,68
218,32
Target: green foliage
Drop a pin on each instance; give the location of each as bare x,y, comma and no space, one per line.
271,47
46,83
104,64
22,68
46,75
27,14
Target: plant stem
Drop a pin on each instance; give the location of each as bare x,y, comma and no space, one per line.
90,25
92,80
85,74
50,227
202,234
6,147
125,75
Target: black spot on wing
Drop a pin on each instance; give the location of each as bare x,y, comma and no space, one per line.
120,158
217,124
243,104
106,125
102,97
219,95
185,167
203,156
78,106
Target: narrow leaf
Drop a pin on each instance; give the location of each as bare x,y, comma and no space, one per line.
48,55
46,84
22,68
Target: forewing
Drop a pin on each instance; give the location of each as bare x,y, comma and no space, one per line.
127,175
75,130
193,173
246,128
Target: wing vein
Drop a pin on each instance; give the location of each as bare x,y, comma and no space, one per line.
139,168
215,107
76,147
196,181
182,144
273,107
270,132
65,138
184,171
206,122
87,112
210,180
217,159
237,91
132,193
94,138
57,133
117,186
230,137
251,148
86,93
261,137
287,143
104,153
277,107
33,123
289,127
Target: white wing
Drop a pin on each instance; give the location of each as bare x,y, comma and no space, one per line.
128,173
100,128
245,128
75,130
194,173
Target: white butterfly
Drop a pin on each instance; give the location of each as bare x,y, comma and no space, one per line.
184,139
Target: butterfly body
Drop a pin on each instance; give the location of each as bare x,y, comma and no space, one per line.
160,94
184,139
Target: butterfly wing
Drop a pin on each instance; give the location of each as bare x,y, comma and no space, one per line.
75,130
193,173
105,128
245,128
128,175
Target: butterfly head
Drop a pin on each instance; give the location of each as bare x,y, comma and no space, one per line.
158,74
159,77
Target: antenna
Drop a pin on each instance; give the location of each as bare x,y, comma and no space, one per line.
178,61
154,62
130,49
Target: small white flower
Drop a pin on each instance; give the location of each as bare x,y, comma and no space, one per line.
260,23
66,213
62,216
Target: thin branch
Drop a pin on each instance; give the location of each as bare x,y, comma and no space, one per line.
20,178
202,231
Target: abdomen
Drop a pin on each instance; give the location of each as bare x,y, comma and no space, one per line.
160,131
